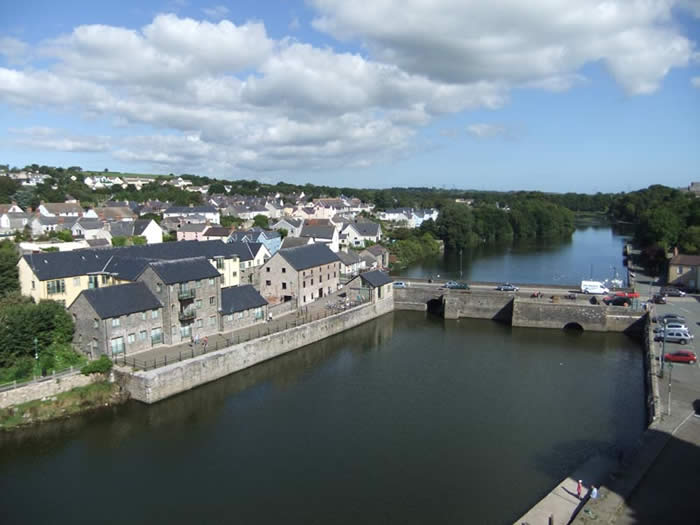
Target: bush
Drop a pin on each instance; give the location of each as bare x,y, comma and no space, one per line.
98,366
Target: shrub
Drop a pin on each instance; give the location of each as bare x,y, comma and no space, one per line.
98,366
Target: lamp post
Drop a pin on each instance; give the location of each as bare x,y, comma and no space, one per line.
663,350
36,349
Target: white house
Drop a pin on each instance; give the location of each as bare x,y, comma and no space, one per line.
359,234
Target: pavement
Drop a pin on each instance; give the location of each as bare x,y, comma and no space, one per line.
657,482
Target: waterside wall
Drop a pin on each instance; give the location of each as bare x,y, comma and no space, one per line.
158,384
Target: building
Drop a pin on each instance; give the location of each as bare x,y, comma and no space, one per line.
683,271
293,242
191,232
373,286
322,231
216,233
117,320
292,226
88,229
241,306
190,291
351,263
301,274
146,228
360,234
61,276
60,209
210,213
378,253
272,240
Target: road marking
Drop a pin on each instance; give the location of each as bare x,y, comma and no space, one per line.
685,310
682,422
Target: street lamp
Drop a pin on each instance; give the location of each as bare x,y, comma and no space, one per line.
36,349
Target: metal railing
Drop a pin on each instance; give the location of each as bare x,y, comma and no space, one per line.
184,295
187,315
250,333
38,379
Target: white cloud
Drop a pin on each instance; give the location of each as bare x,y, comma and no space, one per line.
14,50
515,42
43,138
216,12
695,81
222,97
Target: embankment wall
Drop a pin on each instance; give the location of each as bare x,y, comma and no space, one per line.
46,388
155,385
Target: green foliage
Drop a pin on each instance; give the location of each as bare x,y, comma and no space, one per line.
217,188
151,216
118,241
227,221
138,240
64,235
169,237
9,278
8,187
414,247
283,232
102,365
261,221
21,322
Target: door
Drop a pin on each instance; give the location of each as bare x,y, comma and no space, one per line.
320,293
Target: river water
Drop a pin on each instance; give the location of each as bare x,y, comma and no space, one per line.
594,252
405,419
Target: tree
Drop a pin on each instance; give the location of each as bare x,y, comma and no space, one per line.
261,221
118,241
217,188
283,232
138,240
64,235
9,279
227,221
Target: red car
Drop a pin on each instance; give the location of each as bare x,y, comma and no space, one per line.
681,356
631,295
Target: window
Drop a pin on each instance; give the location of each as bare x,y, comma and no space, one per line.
267,269
304,298
320,278
220,263
258,312
156,336
33,285
159,287
116,322
154,314
303,284
268,283
211,282
200,323
680,270
173,330
198,303
185,331
57,286
328,277
284,286
142,335
95,323
234,274
131,339
117,345
92,281
212,300
312,282
284,270
212,320
229,318
240,315
76,281
105,279
334,275
143,316
312,295
198,284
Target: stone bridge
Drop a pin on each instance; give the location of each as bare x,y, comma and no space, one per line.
519,309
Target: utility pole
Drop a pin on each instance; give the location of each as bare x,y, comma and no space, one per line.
663,351
460,264
670,369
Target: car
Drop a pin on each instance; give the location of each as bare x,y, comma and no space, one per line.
675,336
670,326
507,287
631,295
668,317
659,299
617,301
454,285
670,291
681,356
400,284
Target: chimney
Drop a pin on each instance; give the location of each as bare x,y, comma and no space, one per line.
675,251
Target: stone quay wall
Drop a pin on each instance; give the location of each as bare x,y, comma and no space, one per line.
158,384
46,388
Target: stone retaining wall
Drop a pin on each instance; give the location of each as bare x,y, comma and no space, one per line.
155,385
48,388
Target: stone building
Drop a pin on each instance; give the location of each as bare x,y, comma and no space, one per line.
241,306
370,286
684,271
117,320
301,274
190,291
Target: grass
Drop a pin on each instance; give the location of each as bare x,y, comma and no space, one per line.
80,399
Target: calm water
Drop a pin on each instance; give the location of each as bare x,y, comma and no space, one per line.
406,419
592,251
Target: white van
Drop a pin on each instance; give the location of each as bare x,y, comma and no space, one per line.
593,287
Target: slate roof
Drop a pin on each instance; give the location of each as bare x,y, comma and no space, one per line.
140,225
125,268
58,265
98,243
189,210
375,278
348,258
115,301
366,229
317,231
90,224
309,256
62,207
217,231
240,298
121,228
296,223
377,249
293,242
193,228
183,270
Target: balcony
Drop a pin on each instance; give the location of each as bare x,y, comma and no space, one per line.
187,315
186,295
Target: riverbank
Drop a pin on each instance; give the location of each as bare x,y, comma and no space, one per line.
76,401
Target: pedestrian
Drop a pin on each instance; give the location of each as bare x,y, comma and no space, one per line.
205,342
579,489
594,493
269,317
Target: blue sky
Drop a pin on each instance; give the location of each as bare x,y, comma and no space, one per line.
557,95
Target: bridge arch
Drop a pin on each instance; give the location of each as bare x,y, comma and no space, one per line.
573,327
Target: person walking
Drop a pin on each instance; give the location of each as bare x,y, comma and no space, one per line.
579,488
594,493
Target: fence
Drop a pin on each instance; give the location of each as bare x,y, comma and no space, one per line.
247,334
18,384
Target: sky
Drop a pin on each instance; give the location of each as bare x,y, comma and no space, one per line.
551,95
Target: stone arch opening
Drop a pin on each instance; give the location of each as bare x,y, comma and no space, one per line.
573,327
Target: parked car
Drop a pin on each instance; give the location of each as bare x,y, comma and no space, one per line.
668,317
681,356
675,336
670,326
507,287
617,301
659,299
671,291
400,284
454,285
631,295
